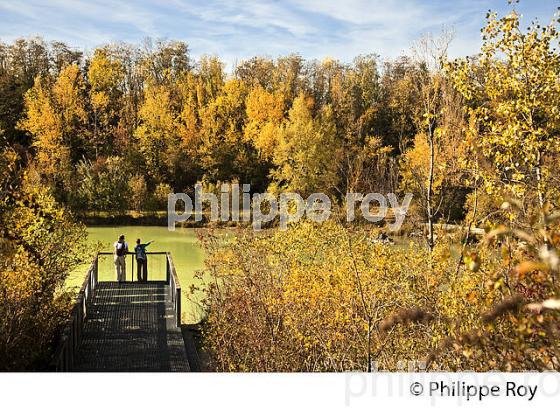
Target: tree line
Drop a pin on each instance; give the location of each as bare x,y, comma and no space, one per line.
124,126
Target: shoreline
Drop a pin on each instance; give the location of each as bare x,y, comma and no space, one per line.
157,218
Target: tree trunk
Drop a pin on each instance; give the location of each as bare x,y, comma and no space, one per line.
429,208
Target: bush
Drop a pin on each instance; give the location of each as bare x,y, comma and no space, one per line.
39,246
324,298
103,185
158,200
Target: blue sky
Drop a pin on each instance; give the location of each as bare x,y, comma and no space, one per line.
235,30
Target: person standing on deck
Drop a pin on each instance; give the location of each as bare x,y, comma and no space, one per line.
120,250
142,260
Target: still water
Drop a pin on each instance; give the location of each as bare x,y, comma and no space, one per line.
183,244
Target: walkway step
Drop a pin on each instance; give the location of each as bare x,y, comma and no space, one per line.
131,327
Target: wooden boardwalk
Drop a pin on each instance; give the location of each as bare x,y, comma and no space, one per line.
131,327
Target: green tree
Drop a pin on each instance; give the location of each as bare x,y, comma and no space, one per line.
102,185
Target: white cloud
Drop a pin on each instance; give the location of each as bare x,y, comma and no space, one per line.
260,14
239,29
366,12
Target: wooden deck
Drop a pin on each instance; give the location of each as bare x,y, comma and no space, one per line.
131,327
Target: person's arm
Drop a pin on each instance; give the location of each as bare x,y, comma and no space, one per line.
115,248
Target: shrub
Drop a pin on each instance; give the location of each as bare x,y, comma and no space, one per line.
39,246
326,298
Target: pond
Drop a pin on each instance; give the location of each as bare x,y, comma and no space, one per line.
183,244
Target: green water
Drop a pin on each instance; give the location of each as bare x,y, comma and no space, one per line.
187,255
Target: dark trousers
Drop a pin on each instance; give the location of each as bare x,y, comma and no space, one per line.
142,273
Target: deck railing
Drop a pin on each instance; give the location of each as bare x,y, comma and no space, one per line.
71,334
70,338
174,288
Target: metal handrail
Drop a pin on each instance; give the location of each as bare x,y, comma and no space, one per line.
132,264
174,288
132,253
63,359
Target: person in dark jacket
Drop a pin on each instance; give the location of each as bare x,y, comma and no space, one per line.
142,260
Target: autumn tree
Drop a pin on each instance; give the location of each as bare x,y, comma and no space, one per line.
56,116
36,261
442,160
289,77
265,112
430,86
306,144
513,96
256,72
133,75
158,135
104,185
165,59
105,76
224,153
399,102
20,63
366,162
210,70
